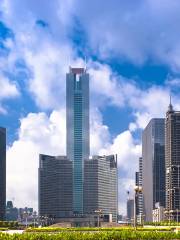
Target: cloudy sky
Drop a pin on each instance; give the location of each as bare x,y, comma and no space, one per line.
132,50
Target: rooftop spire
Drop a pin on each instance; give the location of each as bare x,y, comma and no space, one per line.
170,107
85,63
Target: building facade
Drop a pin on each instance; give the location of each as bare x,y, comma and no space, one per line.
101,186
11,212
2,173
158,213
153,165
172,159
139,203
55,186
130,210
76,187
77,123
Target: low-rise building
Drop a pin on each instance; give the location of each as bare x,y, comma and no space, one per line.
158,214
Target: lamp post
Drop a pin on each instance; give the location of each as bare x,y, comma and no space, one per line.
46,220
34,218
26,213
99,212
170,216
137,190
167,215
177,217
41,220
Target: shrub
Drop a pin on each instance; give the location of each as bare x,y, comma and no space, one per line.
103,235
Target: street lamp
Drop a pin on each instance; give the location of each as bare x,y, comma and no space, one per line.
170,216
167,215
41,221
46,220
177,217
99,212
137,190
34,218
26,213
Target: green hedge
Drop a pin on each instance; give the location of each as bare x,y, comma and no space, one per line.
9,224
121,235
3,229
163,223
84,229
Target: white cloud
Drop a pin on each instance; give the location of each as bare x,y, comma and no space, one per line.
152,103
132,127
128,152
99,133
38,133
8,90
105,86
55,14
136,31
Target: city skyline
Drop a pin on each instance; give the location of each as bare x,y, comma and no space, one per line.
76,186
133,69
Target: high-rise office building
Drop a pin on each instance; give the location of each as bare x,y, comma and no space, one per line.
139,203
55,186
153,165
77,122
66,184
130,210
100,186
172,159
2,173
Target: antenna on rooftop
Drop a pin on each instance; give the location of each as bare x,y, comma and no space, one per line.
69,63
170,108
128,194
85,63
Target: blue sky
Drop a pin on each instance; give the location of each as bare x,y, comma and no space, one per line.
132,50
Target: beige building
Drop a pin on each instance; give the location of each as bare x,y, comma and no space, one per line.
158,214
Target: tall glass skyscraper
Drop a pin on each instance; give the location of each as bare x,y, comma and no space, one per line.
2,173
172,158
77,124
153,165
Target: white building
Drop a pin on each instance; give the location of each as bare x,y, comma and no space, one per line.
158,213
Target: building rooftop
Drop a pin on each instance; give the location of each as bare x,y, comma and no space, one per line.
77,70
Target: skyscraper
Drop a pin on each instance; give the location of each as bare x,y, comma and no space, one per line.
153,165
55,186
130,210
75,186
172,159
77,123
100,185
2,173
139,203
